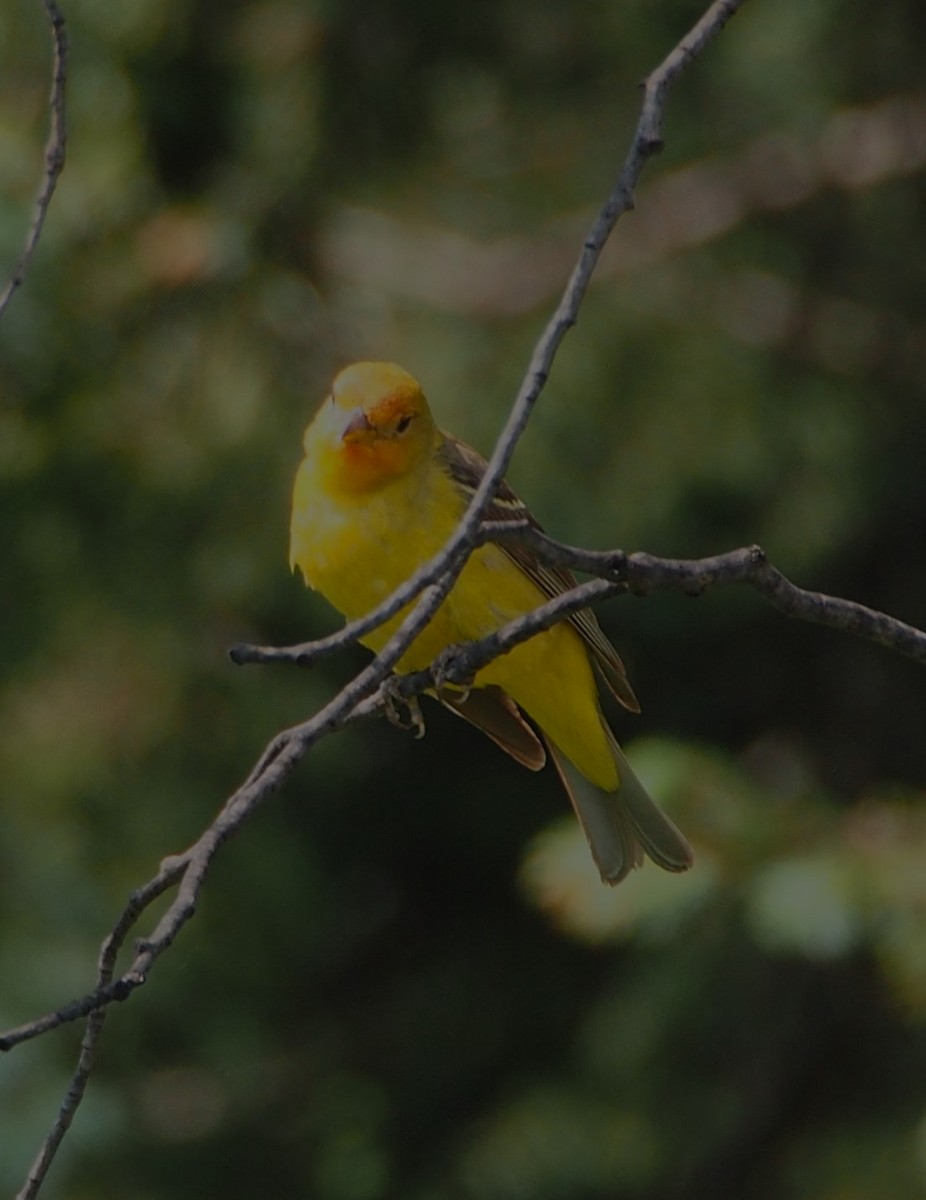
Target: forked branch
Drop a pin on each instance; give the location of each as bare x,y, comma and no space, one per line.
55,149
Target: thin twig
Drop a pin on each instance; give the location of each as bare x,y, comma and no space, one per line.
55,148
307,654
643,574
646,573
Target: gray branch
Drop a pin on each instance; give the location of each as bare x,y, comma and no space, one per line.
55,148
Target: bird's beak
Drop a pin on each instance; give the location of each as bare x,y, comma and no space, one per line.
357,427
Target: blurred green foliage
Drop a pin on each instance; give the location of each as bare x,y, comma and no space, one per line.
404,981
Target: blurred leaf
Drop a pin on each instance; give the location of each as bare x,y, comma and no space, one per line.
805,906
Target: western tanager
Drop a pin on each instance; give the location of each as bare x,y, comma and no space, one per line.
379,491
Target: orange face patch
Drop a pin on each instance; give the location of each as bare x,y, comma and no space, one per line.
370,464
394,405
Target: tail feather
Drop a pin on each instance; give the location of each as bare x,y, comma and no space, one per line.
660,837
624,825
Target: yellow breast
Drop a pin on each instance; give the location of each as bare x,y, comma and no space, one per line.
357,548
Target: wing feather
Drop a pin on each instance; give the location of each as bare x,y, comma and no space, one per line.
496,714
467,467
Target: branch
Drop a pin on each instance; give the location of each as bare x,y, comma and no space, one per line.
643,574
55,149
188,871
617,574
647,141
306,654
138,902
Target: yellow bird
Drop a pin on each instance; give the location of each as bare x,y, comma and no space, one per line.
379,492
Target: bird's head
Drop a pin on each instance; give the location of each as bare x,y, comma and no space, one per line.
373,428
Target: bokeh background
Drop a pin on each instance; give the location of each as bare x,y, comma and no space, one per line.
405,981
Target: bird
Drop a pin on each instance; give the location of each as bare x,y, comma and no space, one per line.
379,491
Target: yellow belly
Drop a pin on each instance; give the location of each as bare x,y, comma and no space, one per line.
357,559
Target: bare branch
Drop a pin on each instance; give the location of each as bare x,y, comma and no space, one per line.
55,148
647,141
643,574
306,654
657,84
94,1008
616,573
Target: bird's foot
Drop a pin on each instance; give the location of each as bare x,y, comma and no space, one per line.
402,711
449,673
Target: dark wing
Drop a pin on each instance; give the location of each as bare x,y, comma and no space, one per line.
466,467
496,714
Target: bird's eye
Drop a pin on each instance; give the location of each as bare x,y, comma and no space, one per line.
403,423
